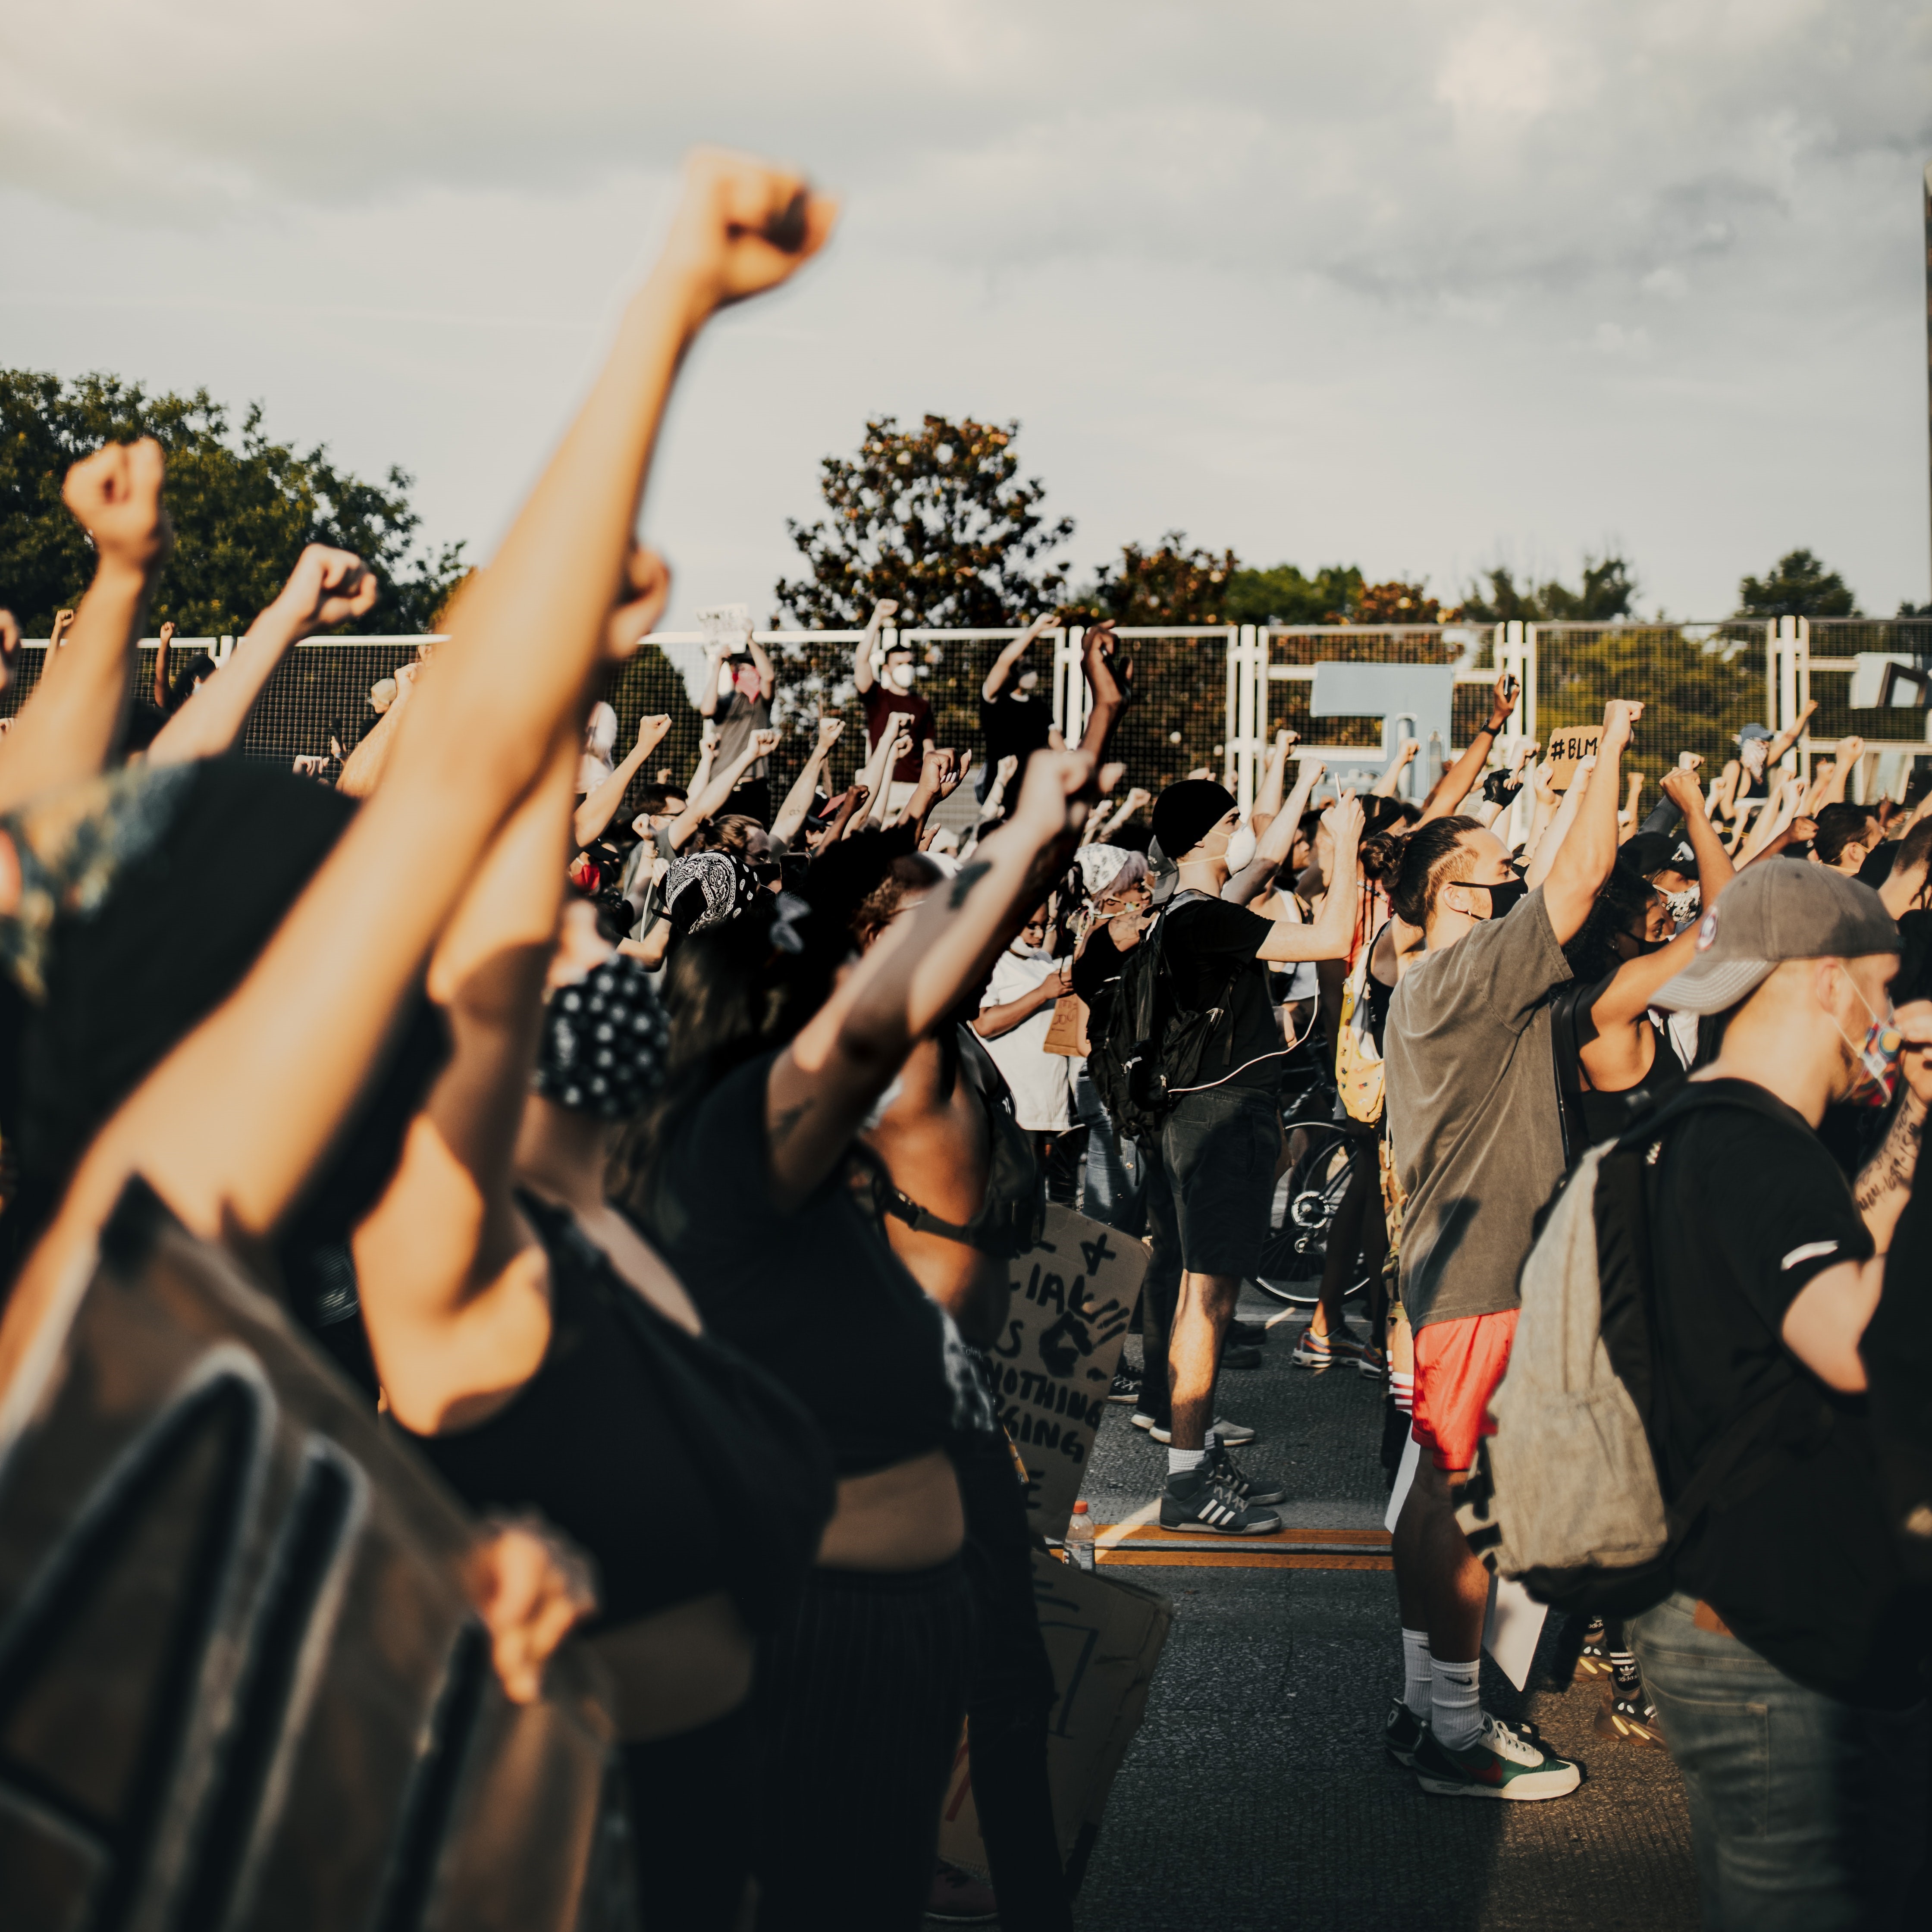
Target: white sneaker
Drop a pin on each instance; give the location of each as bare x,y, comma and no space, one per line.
1502,1762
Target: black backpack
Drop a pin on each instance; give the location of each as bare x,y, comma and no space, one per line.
1146,1046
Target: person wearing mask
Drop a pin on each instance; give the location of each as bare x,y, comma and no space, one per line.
1015,718
737,692
1781,1663
1015,1012
1847,835
1117,889
1472,1112
890,693
742,1173
1211,1181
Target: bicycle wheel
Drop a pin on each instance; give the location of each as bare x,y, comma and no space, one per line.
1306,1198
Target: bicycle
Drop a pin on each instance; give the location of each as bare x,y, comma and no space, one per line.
1306,1198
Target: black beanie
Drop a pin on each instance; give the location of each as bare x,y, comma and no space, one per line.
1186,813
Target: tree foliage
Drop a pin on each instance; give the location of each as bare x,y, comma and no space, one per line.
1801,586
1609,593
939,518
1283,595
1170,583
242,506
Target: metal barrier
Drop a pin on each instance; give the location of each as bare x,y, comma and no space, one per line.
1213,696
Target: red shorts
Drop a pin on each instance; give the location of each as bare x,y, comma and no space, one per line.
1458,1365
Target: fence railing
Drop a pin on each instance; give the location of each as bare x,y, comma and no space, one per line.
1213,696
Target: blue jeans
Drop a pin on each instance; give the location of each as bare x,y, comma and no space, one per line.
1115,1187
1807,1814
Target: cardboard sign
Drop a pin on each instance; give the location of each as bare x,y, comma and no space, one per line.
1104,1636
1072,1297
1567,750
1066,1032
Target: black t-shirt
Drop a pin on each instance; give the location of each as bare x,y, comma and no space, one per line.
1098,966
1204,942
816,1297
1749,1207
1015,725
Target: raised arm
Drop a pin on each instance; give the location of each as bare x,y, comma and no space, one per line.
1788,737
711,801
362,770
1109,687
1332,931
824,1084
1714,870
996,679
599,806
1446,796
212,1128
863,675
768,676
1268,799
326,587
797,804
1556,828
1589,850
71,723
1391,777
894,743
707,698
1273,848
167,639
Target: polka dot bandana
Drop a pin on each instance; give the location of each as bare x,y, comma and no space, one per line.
606,1042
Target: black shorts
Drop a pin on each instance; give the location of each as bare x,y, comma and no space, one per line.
1219,1149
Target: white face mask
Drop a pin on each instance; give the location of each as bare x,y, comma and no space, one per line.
1241,844
899,677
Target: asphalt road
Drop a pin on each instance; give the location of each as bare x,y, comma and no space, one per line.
1257,1794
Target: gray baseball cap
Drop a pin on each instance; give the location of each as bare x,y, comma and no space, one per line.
1777,910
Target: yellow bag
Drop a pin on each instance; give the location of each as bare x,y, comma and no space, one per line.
1358,1061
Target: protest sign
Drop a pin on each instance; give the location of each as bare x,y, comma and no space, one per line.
1072,1297
1568,749
1066,1032
1104,1637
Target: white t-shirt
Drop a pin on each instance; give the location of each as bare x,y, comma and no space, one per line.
1042,1082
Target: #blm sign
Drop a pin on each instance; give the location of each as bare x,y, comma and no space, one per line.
1568,749
1104,1637
1072,1297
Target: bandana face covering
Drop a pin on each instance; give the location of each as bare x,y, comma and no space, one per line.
1877,1078
605,1042
1683,907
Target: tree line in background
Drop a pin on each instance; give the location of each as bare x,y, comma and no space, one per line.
939,517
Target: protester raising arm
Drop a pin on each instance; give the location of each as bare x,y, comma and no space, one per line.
1466,773
1272,849
1333,929
1385,786
863,675
211,1129
941,774
599,806
326,587
71,725
1589,850
710,800
167,643
823,1086
895,742
1556,827
995,681
1109,689
792,814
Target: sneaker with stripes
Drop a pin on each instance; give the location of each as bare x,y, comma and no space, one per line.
1224,1472
1193,1501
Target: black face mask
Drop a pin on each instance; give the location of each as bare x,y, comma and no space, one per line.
1501,896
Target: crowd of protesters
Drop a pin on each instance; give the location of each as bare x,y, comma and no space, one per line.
674,1162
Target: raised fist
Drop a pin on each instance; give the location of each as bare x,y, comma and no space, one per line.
10,647
328,587
763,744
642,592
829,731
742,226
115,496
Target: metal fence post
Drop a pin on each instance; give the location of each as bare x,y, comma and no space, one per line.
1244,756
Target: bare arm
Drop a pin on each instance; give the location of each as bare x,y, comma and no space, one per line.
1557,828
707,699
1272,849
1332,930
211,1128
862,673
71,723
1391,777
798,801
599,806
167,638
326,587
995,680
362,770
1268,799
1823,1326
824,1084
1714,870
1466,773
893,744
990,1022
768,676
1789,736
1584,859
1884,1182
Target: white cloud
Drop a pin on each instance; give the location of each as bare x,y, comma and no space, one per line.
1321,283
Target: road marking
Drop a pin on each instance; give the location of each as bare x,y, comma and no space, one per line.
1243,1558
1138,1540
1107,1534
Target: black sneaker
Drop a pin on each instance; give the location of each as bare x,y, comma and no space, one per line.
1402,1735
1594,1659
1627,1720
1193,1501
1240,1356
1126,1386
1222,1469
1252,1333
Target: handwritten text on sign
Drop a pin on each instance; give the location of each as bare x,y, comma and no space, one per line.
1568,749
1072,1297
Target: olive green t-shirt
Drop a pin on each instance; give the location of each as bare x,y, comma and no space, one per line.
1472,1111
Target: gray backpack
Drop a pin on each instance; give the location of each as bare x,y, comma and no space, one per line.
1565,1495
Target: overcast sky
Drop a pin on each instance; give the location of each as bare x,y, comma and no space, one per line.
1419,284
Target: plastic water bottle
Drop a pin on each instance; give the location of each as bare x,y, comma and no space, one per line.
1080,1537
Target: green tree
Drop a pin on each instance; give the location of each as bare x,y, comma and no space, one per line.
1610,592
1801,586
1170,583
242,506
1283,595
939,518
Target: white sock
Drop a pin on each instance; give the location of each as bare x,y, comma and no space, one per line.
1181,1461
1455,1702
1416,1680
1211,1441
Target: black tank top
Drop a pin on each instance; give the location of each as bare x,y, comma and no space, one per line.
653,1448
1590,1117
